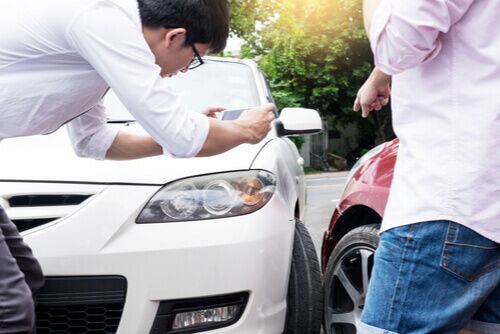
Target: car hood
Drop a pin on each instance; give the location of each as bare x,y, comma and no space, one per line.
51,158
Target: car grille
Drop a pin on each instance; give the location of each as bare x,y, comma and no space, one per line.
80,305
27,224
30,210
45,200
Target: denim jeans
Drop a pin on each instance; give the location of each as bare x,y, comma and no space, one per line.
433,277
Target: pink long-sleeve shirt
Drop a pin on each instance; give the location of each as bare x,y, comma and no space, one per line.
444,56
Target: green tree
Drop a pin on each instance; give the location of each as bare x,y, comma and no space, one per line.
246,15
316,55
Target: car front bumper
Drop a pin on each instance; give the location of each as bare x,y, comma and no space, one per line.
171,261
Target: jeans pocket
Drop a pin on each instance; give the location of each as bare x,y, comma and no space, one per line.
468,254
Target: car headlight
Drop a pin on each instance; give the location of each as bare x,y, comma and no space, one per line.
209,197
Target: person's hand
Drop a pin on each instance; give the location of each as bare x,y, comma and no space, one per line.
257,122
212,111
374,94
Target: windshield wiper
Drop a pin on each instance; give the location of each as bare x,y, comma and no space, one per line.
123,121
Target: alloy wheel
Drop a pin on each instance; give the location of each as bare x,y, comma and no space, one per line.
345,290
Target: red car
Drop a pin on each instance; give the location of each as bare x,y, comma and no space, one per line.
352,237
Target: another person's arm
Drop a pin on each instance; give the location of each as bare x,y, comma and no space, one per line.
374,94
404,34
369,8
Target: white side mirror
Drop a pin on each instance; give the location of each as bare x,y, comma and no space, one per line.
298,121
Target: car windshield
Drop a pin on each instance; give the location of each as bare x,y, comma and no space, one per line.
217,83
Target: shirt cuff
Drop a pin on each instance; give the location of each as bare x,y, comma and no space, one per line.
201,127
100,143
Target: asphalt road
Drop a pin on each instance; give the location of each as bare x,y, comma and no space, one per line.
323,194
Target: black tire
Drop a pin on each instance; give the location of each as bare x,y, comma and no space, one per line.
346,279
305,292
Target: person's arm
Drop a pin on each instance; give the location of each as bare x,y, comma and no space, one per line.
374,94
93,138
90,135
128,146
251,127
369,7
405,34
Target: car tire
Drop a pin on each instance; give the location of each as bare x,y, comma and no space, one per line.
305,291
346,279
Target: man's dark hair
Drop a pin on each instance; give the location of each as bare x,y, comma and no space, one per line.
206,21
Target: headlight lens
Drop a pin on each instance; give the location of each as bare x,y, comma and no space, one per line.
218,197
210,196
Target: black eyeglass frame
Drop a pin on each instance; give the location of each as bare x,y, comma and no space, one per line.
197,60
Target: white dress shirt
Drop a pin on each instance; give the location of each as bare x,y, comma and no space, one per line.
59,57
444,56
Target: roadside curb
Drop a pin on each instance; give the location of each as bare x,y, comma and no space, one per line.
326,175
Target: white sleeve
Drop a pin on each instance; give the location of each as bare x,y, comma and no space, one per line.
90,135
115,46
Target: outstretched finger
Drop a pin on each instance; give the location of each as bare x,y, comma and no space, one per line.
357,104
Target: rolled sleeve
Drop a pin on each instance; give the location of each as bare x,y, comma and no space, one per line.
90,135
405,34
191,136
121,56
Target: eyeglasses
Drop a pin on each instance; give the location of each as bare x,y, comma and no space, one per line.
197,60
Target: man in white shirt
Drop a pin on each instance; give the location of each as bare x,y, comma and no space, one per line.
58,58
437,268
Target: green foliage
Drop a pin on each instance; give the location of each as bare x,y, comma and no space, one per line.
246,14
298,141
315,54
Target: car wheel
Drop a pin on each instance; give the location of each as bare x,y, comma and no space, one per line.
346,279
305,292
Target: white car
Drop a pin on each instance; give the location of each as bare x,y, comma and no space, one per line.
163,245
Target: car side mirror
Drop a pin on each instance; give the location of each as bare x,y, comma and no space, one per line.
298,121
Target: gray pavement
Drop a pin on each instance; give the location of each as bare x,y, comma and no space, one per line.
323,194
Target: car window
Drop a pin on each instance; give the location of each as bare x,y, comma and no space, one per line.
225,84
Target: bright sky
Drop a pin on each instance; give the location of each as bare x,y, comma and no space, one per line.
233,44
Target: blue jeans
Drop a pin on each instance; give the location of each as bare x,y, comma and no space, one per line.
433,277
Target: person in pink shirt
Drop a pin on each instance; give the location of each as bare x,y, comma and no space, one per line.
437,267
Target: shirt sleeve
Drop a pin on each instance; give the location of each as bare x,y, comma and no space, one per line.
90,135
406,33
113,43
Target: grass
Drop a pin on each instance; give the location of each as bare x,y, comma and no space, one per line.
312,170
